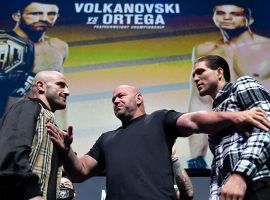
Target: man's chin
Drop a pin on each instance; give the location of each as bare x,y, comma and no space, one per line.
61,106
202,93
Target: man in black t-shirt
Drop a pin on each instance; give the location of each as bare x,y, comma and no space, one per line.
137,155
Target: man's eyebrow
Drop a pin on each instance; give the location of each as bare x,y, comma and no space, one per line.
118,94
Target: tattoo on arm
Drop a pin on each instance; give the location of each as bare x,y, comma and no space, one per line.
183,181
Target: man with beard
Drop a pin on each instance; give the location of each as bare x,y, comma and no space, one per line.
33,19
30,164
246,52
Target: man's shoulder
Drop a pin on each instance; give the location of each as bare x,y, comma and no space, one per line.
58,44
206,47
24,105
28,102
56,41
159,112
247,82
260,38
245,79
164,113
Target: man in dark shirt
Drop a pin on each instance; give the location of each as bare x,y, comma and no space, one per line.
137,155
30,166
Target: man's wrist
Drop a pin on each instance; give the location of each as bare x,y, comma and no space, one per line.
241,175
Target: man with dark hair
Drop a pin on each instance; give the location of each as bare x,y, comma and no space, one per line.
241,164
246,52
41,52
30,164
137,155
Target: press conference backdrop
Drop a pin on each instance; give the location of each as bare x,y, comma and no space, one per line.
143,43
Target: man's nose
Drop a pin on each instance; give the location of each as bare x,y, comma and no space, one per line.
116,101
227,16
195,78
44,17
66,91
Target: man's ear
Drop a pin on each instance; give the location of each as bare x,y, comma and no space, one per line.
215,20
249,21
16,16
139,98
220,72
40,85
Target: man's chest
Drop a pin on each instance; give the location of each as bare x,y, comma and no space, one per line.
47,57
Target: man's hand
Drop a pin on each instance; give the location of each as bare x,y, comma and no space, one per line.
62,138
255,117
234,188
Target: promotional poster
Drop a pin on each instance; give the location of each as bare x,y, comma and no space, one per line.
99,45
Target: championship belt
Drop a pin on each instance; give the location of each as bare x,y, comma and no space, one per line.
16,62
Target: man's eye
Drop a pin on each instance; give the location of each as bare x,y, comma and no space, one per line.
237,14
52,14
62,85
36,13
220,13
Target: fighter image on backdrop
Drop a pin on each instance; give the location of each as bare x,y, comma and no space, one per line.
27,49
246,52
145,43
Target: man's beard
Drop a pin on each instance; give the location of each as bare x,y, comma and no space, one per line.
32,33
231,33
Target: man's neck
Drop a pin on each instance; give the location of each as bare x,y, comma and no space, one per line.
126,121
219,87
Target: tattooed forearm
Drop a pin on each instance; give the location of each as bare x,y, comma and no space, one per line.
182,180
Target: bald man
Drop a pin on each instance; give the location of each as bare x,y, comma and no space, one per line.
30,167
137,155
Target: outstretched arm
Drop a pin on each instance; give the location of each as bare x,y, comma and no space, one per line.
213,122
77,168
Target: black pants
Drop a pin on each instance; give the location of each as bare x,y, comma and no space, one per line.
258,190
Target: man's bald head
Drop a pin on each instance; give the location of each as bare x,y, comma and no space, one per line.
130,88
47,76
51,88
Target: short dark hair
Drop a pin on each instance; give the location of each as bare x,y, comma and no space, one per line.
20,5
214,62
245,4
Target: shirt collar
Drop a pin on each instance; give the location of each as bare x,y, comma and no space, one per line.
222,94
41,102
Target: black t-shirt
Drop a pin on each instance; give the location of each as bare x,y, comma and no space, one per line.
137,158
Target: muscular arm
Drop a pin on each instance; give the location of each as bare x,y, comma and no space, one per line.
61,46
214,122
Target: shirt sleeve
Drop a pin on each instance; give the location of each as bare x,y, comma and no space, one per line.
17,132
250,94
171,117
97,153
